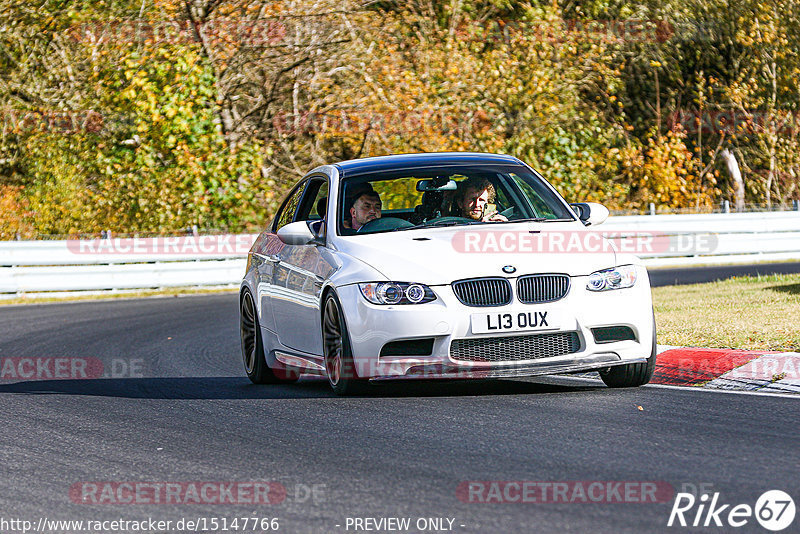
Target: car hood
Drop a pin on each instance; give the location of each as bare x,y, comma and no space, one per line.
437,256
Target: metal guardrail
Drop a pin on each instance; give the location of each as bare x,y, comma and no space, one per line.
710,238
39,267
32,267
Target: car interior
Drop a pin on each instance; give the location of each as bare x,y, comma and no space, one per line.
413,204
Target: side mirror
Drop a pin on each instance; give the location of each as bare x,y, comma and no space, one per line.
590,213
319,229
296,233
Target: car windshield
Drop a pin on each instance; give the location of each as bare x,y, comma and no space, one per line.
389,201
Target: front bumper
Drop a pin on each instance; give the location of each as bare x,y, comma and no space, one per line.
370,327
535,368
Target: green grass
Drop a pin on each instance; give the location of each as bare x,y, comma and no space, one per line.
756,313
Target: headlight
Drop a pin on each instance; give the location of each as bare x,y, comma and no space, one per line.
396,293
616,278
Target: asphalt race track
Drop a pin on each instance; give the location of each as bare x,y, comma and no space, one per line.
174,406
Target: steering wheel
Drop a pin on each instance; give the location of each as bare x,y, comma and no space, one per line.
383,224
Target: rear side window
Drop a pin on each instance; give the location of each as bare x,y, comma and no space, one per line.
286,213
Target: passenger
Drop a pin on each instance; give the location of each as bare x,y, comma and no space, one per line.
362,205
473,198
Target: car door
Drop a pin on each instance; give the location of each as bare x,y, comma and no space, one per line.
299,275
267,256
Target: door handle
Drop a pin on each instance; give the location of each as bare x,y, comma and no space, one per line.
273,258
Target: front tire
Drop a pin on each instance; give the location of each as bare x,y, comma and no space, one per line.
339,365
632,374
253,348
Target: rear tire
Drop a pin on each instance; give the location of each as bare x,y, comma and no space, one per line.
339,365
632,374
253,348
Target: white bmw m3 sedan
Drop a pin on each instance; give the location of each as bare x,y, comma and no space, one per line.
436,266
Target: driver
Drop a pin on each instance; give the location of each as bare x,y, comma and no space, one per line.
363,205
473,198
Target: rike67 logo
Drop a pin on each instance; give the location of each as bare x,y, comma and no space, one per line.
774,510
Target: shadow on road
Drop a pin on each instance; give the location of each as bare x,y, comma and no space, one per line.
792,289
241,388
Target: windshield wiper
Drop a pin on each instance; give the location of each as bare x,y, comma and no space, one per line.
541,219
448,223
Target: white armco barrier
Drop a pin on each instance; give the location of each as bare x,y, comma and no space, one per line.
717,238
31,267
121,263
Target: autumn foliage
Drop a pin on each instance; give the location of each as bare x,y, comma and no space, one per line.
162,115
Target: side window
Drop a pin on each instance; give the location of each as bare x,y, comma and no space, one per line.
286,214
541,208
316,202
502,201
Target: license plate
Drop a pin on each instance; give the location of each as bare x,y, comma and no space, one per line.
524,321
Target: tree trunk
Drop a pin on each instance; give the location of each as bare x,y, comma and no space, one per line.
736,175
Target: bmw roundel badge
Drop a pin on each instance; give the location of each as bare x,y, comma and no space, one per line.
508,269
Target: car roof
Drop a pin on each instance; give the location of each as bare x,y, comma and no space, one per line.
401,161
